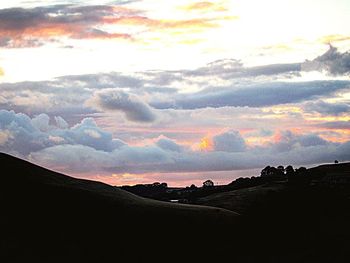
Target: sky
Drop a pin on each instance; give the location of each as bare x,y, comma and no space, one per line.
139,91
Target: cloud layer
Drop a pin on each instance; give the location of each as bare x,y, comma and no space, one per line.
221,117
219,84
86,148
37,26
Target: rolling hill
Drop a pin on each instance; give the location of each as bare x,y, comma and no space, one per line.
50,217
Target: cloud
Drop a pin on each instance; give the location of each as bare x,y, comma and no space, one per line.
20,27
33,27
86,148
25,135
205,6
325,108
152,159
168,144
73,158
233,68
329,39
270,94
162,24
288,141
337,125
1,72
131,105
41,122
332,62
60,122
230,141
218,84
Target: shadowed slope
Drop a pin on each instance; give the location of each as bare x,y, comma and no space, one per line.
291,222
50,217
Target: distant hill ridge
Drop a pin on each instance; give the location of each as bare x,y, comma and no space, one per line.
50,217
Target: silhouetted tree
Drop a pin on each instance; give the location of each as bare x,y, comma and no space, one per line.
336,161
301,170
301,177
281,169
289,170
272,172
265,171
208,183
193,187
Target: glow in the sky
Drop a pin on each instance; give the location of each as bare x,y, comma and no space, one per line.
136,91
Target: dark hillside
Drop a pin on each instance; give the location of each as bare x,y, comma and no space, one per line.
50,217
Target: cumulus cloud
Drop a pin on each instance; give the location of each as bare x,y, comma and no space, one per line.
152,159
287,141
22,135
60,122
131,105
41,122
168,144
85,147
332,62
230,141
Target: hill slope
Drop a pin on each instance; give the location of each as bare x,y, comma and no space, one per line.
49,217
295,222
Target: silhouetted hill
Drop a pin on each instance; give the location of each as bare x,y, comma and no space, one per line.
296,222
324,178
49,217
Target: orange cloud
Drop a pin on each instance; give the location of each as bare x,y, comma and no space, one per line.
31,30
34,36
32,27
205,6
206,144
1,72
162,24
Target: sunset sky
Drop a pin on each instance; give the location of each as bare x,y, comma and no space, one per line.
140,91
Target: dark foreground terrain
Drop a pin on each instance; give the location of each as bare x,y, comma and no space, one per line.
50,217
